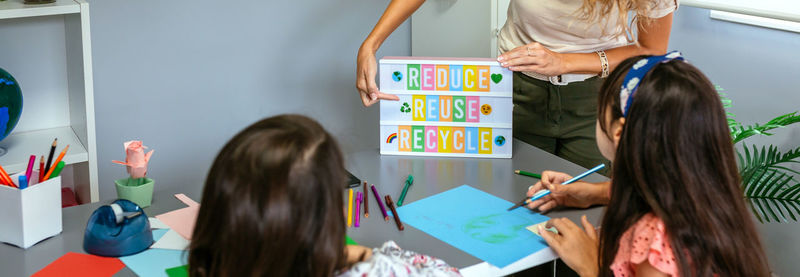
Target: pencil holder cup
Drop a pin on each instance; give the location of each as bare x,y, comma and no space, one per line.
32,214
141,194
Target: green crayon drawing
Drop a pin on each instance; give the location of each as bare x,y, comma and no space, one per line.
496,228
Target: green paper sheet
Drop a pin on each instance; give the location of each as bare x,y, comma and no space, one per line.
349,241
180,271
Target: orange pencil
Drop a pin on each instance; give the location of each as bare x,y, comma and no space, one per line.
6,178
60,156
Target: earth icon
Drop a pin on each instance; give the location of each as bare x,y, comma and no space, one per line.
397,76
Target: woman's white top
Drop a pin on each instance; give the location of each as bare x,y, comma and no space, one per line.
556,25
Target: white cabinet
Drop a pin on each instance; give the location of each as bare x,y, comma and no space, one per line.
452,28
47,48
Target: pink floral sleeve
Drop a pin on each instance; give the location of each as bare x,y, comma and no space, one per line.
391,260
645,240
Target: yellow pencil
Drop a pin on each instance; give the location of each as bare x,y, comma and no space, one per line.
350,208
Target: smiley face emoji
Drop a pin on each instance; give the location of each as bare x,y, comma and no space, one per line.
486,109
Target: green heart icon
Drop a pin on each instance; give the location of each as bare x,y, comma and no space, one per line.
496,78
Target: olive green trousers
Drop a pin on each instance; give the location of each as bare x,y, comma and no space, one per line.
558,119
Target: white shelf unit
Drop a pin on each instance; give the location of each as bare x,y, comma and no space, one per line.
75,98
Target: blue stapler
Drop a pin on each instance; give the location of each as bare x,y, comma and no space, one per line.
118,229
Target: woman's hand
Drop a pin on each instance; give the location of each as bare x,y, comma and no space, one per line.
357,253
576,195
577,247
366,69
533,57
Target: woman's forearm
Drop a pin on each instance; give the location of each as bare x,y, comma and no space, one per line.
394,15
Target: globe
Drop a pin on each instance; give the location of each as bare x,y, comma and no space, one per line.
10,103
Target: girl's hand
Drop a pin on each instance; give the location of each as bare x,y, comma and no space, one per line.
357,253
533,57
366,69
577,247
576,195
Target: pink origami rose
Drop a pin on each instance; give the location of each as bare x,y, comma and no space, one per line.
136,159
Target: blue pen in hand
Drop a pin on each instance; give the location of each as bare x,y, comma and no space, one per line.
546,192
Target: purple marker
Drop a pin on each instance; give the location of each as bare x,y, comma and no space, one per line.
380,203
358,207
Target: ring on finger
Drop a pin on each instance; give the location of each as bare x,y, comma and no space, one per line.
528,49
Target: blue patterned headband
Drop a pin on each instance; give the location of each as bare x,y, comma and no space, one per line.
636,74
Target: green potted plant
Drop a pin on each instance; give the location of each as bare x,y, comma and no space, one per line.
137,188
768,184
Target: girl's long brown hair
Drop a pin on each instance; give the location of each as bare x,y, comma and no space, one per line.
272,204
675,159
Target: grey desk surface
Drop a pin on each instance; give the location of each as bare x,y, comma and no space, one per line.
431,175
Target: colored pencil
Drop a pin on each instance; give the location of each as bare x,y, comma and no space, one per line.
546,192
380,203
529,174
358,210
366,201
41,169
409,181
29,170
6,179
394,212
60,156
48,165
350,208
58,169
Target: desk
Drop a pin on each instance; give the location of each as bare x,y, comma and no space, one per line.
434,175
431,176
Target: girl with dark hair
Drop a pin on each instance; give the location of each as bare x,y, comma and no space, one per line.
272,206
675,207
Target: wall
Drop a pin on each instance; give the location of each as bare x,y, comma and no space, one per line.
184,76
759,69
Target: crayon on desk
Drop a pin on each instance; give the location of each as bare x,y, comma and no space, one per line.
366,201
380,204
529,174
358,211
409,181
350,208
394,212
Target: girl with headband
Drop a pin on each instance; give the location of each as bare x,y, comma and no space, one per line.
675,207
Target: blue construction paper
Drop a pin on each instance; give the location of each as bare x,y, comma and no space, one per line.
158,233
155,262
477,223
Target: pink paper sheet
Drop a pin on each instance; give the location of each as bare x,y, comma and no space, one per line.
182,220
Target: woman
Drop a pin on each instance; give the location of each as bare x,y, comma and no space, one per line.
559,50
